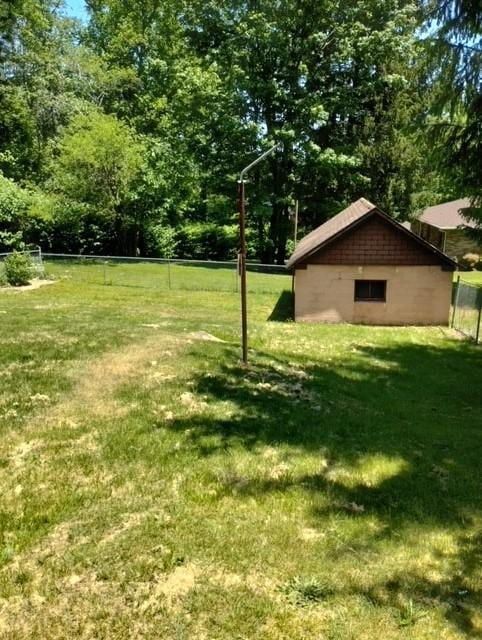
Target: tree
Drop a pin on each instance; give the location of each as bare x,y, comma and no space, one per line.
456,55
13,211
97,162
182,108
32,41
320,78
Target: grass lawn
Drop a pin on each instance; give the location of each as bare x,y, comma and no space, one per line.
473,277
153,488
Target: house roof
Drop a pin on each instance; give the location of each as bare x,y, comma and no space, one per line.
448,215
346,220
330,228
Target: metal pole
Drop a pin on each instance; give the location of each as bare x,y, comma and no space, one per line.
296,222
456,300
242,254
242,269
477,331
169,273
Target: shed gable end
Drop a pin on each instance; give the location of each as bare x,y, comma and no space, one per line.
374,241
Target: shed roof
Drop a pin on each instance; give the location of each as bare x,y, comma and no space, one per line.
345,220
448,215
330,228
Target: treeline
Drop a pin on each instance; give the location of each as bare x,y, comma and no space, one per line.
126,135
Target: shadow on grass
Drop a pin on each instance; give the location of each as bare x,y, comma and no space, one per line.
283,309
417,407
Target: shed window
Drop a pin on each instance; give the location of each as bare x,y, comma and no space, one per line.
370,290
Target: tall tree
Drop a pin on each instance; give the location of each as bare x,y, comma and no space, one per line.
313,76
179,101
98,160
456,54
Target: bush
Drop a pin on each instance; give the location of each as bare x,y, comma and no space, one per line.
208,241
469,261
18,269
162,240
13,212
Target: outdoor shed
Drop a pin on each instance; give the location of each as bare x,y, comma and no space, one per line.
362,266
445,226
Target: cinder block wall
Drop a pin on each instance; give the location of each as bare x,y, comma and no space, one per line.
415,294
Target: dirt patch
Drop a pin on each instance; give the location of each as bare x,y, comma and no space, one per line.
256,582
20,454
204,335
35,284
172,588
307,534
98,380
131,520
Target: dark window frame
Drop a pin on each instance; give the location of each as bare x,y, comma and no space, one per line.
372,295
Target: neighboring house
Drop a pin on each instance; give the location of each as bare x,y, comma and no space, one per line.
444,226
362,266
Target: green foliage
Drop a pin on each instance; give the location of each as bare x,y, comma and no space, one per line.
18,269
454,71
148,113
208,241
305,590
13,211
97,160
410,614
163,241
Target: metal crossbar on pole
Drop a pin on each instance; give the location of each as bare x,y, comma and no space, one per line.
242,252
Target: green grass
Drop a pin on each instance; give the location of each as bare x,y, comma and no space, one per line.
154,488
473,277
161,275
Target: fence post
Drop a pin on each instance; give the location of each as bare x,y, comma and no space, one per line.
168,273
477,331
456,300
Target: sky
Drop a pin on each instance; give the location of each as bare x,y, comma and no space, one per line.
76,8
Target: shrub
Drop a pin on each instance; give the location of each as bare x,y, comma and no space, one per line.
18,269
469,261
208,241
13,211
162,239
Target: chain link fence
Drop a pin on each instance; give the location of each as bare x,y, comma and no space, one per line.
467,310
163,273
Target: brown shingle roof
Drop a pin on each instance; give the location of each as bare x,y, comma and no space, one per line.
448,215
330,228
344,220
